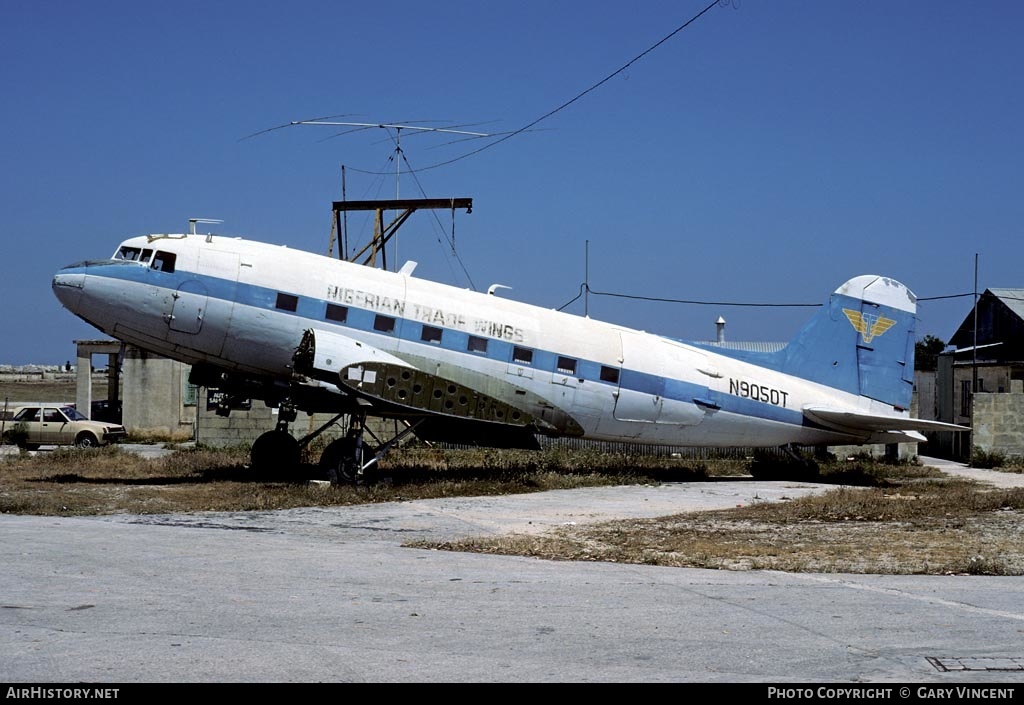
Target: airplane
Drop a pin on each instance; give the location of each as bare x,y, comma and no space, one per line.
308,332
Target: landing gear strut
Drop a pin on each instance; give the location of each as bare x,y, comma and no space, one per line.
351,460
347,460
344,460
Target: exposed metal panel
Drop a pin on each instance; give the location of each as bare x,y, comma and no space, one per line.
651,384
188,307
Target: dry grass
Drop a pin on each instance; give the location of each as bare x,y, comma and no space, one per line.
110,480
47,390
898,518
913,527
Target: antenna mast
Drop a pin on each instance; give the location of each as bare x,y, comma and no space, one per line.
381,233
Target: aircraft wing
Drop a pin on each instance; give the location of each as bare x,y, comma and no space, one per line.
394,386
859,421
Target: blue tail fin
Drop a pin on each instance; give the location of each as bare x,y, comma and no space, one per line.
861,341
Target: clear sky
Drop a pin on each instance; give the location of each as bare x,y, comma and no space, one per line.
767,153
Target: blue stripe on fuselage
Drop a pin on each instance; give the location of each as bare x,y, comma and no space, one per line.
408,330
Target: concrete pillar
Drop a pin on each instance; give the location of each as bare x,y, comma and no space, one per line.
113,379
83,387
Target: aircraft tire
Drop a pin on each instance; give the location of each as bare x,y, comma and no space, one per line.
274,451
339,464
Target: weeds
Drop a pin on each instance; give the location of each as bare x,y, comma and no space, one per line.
902,519
110,480
880,518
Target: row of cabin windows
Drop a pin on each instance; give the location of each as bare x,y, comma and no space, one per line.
430,334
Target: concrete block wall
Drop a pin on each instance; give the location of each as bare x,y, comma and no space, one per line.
243,426
999,420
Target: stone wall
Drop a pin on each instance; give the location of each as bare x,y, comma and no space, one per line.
999,420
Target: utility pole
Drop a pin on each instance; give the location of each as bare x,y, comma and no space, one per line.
586,281
974,362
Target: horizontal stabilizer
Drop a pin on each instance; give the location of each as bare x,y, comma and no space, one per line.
845,420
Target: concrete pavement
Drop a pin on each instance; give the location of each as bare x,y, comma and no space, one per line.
330,595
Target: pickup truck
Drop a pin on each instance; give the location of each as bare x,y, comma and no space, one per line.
37,425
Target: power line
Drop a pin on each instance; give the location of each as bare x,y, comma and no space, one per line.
742,304
504,136
579,95
947,296
699,303
437,218
695,302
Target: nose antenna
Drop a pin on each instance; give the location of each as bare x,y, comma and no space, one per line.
192,226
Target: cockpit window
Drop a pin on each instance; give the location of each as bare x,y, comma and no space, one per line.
164,261
134,254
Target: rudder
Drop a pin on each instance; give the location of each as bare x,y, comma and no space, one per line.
862,341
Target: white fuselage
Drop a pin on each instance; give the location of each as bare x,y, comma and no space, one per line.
244,305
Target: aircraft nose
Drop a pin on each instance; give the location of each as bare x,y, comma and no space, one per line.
67,287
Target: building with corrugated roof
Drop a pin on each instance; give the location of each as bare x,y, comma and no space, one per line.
981,382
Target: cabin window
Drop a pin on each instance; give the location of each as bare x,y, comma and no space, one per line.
336,313
164,261
287,302
431,334
524,356
384,324
477,344
609,374
566,365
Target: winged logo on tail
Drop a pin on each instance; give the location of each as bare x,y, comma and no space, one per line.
869,325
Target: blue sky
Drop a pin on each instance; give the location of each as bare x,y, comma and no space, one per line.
767,153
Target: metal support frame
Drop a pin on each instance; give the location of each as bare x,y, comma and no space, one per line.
382,234
309,437
382,450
